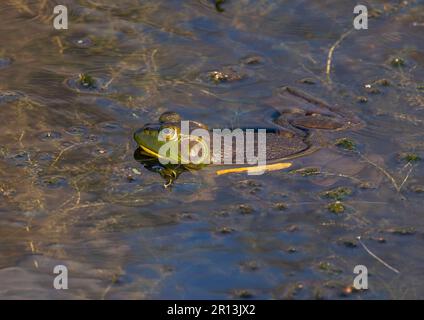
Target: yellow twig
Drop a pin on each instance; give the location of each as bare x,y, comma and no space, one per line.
331,52
257,169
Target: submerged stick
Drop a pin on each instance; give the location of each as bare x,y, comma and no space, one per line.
377,258
331,52
269,167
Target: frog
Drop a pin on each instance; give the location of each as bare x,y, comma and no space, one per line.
290,129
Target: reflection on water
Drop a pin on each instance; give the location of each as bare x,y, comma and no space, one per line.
169,172
71,192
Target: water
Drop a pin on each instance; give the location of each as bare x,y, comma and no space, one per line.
72,193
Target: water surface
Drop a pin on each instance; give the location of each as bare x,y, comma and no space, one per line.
71,192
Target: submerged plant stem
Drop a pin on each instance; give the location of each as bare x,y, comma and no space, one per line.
376,257
331,52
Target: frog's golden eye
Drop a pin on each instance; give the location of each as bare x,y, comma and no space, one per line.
168,134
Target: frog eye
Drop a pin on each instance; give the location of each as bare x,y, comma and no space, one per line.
168,134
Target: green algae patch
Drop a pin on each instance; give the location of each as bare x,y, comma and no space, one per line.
345,143
306,171
402,231
337,194
411,157
336,207
327,267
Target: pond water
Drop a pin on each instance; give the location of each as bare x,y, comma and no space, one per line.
71,192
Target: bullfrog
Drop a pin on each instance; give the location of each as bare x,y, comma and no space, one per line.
289,133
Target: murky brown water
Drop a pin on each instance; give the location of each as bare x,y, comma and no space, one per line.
71,192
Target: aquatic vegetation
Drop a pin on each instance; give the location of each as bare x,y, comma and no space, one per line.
411,157
402,231
87,81
329,268
336,207
338,193
346,144
397,62
306,171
